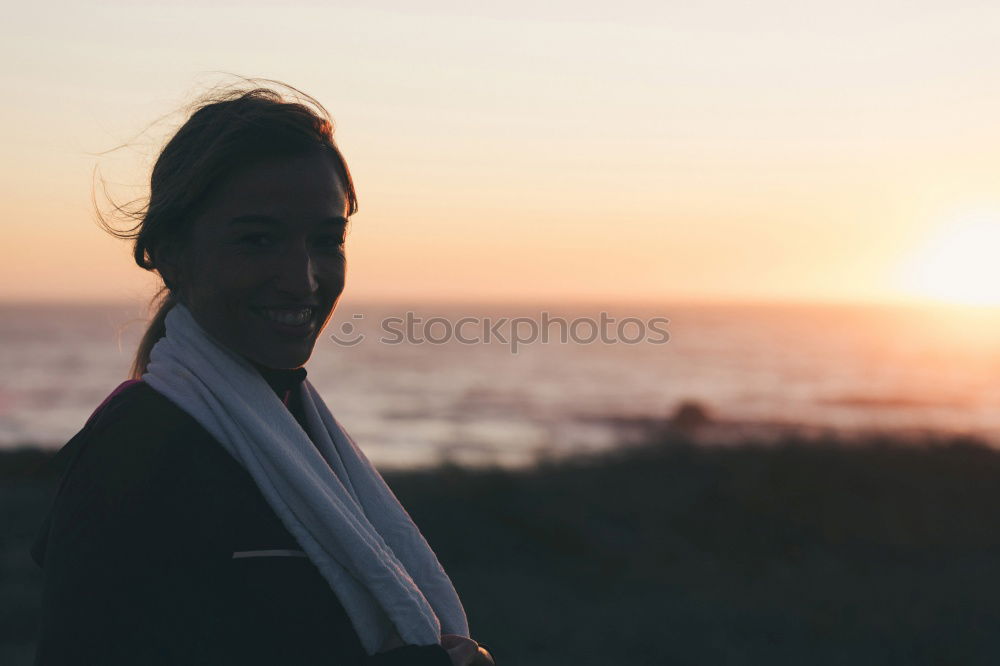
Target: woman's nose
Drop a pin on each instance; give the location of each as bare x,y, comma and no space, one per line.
298,273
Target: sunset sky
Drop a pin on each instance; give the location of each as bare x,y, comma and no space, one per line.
562,151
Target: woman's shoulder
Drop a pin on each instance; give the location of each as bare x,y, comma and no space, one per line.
134,431
126,460
135,404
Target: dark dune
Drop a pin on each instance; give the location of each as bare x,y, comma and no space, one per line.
666,553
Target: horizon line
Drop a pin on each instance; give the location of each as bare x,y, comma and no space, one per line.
593,301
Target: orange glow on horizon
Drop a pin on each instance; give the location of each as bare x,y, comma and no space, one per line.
959,265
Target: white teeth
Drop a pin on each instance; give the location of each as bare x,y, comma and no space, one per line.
289,317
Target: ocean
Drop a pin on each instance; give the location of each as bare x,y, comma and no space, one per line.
411,394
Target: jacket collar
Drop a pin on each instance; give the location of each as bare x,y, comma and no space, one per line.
281,381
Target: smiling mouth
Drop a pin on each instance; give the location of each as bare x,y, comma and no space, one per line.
295,317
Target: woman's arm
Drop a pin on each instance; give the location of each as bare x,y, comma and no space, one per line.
106,596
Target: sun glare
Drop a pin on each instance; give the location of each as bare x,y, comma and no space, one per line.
961,265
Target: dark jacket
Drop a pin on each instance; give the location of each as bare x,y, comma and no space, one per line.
138,554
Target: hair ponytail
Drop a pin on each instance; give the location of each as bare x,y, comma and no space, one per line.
156,329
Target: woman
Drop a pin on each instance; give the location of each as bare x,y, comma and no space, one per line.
213,511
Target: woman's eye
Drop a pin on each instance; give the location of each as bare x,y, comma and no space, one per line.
332,241
256,240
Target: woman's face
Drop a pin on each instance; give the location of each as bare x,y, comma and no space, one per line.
266,262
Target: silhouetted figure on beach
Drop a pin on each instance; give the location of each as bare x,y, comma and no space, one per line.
212,510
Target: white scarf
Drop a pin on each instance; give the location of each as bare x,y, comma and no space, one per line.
322,487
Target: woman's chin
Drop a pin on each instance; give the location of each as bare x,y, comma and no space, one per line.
281,361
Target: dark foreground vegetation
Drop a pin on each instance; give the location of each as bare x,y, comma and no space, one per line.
798,553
